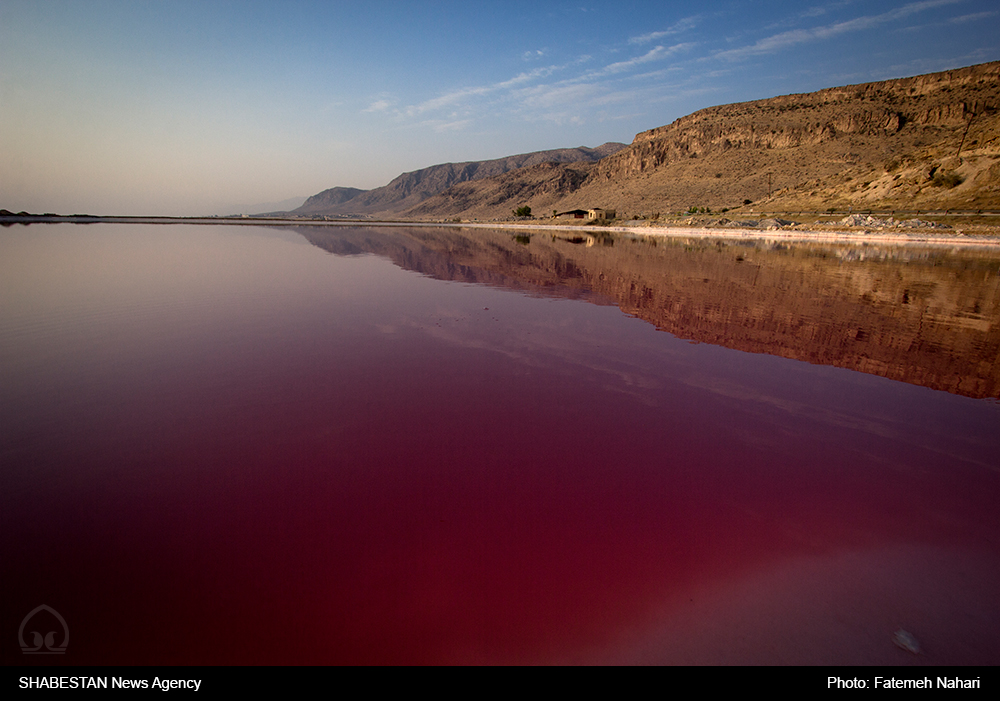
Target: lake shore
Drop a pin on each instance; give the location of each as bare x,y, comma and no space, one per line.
976,236
847,235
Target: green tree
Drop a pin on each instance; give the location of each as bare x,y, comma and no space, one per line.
524,211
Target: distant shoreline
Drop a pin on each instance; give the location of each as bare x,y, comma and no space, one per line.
836,234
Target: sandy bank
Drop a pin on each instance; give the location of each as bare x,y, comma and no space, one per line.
921,238
932,237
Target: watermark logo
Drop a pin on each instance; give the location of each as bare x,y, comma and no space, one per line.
42,617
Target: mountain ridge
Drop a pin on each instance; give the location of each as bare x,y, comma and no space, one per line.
409,189
908,143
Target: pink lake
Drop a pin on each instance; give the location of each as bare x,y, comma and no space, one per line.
250,445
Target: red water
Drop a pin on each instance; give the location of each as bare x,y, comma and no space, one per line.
223,445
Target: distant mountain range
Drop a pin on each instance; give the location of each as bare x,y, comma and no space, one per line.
931,141
262,207
410,189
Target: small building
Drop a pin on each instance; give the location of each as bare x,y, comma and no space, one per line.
574,213
596,213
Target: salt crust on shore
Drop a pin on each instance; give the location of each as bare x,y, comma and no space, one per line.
843,236
912,237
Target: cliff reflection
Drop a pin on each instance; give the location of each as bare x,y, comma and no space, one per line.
923,316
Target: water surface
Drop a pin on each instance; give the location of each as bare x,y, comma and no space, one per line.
246,445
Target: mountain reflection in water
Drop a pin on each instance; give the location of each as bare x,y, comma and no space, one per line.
925,316
221,444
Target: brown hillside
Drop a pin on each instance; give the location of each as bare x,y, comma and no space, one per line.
930,141
329,199
410,189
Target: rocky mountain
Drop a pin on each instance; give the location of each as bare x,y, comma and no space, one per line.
931,141
410,189
544,186
328,200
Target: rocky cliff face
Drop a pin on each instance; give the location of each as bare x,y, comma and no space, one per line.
878,111
545,185
913,143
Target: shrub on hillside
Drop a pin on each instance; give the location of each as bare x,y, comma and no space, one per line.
946,180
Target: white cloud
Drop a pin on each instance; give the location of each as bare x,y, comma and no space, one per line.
661,73
973,17
378,106
800,36
656,54
680,26
526,77
547,96
819,10
525,94
446,100
561,118
456,125
456,96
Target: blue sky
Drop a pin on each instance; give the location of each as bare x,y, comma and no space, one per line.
193,108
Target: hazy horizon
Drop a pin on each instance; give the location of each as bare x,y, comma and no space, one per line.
187,108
